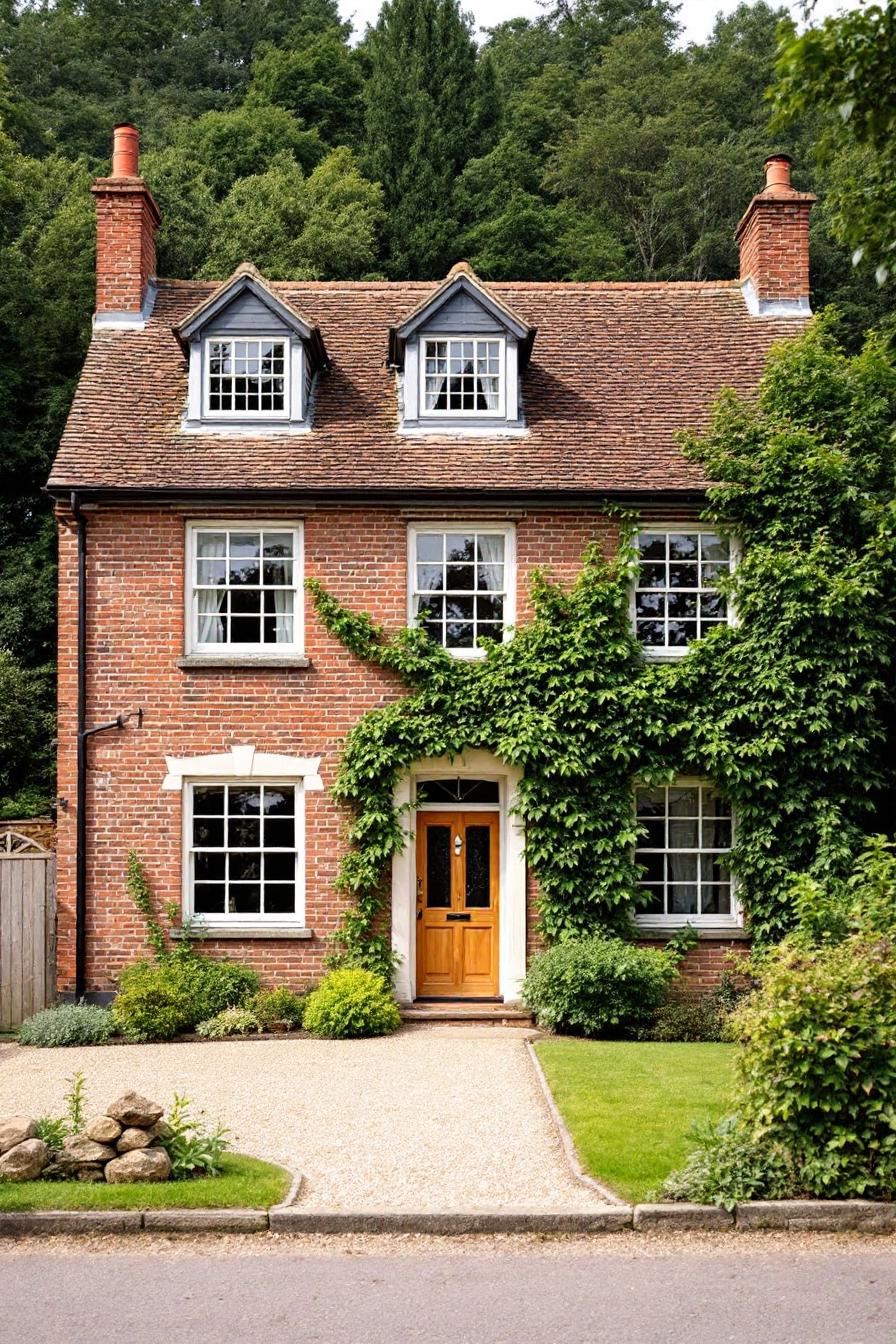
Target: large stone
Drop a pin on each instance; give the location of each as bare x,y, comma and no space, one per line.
79,1151
103,1129
132,1109
134,1138
25,1162
91,1172
141,1164
15,1130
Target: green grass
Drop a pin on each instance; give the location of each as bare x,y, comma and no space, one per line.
629,1105
245,1182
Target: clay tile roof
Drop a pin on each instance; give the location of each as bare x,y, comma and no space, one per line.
617,371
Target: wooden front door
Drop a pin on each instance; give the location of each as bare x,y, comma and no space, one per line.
457,905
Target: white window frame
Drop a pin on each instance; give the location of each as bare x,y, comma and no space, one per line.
246,921
191,601
647,920
292,379
508,531
665,651
500,411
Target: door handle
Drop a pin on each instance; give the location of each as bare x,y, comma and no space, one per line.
458,917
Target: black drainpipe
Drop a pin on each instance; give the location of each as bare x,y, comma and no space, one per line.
84,733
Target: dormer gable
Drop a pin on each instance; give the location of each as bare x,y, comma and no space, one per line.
253,359
460,355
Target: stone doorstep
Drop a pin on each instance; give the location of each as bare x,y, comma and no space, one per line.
850,1215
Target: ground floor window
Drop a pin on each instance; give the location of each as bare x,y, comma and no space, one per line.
682,853
244,848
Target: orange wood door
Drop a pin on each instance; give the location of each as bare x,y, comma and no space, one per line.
457,905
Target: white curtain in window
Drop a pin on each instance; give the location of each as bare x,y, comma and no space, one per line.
212,601
283,605
491,558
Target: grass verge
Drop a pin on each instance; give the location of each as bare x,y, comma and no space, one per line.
245,1182
629,1104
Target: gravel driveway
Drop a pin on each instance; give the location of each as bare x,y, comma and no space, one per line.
432,1119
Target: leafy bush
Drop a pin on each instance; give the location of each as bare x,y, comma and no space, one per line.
817,1072
230,1022
52,1129
68,1024
351,1003
157,1000
194,1149
730,1165
280,1005
591,985
695,1018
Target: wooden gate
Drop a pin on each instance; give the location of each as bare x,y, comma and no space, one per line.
27,928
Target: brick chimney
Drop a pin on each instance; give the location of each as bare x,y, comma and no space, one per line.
127,221
774,244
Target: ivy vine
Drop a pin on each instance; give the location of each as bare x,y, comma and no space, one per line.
787,711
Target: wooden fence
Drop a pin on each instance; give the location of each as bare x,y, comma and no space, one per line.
27,928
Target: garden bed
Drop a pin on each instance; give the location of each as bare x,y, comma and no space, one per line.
244,1182
629,1106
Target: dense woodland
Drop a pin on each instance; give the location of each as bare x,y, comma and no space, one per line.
587,144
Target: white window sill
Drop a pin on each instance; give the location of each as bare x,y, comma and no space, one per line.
203,660
246,931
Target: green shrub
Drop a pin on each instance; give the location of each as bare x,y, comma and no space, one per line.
730,1165
592,985
351,1003
817,1071
279,1005
695,1018
52,1129
230,1022
194,1149
68,1024
158,1000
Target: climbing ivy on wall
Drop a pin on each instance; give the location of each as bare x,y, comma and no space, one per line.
787,711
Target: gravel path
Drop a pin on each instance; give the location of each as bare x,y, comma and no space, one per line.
432,1119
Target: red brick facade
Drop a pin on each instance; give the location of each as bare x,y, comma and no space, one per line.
127,219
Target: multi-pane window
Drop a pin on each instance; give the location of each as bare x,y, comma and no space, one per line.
687,836
243,851
460,585
462,376
676,590
246,377
245,588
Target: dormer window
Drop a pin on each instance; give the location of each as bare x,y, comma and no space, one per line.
253,360
247,377
462,376
460,356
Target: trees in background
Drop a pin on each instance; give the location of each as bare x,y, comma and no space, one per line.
585,144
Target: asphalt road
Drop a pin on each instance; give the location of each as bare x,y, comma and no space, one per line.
178,1296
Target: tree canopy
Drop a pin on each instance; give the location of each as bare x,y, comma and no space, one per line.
588,143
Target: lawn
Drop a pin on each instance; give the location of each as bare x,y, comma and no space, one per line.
245,1182
629,1105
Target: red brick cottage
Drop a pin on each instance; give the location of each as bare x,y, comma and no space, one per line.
419,448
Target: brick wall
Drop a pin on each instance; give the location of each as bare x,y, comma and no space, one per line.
705,963
134,638
127,219
774,248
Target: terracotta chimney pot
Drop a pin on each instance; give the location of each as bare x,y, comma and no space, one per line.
125,151
777,170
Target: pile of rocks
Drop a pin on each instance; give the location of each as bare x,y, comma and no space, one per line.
121,1146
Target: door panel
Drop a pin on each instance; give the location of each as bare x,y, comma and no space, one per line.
457,904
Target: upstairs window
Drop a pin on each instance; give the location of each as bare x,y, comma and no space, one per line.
682,853
463,376
246,377
461,585
676,598
245,589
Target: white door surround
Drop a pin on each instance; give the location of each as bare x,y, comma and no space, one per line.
512,871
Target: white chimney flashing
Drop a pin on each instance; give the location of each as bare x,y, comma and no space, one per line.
773,307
